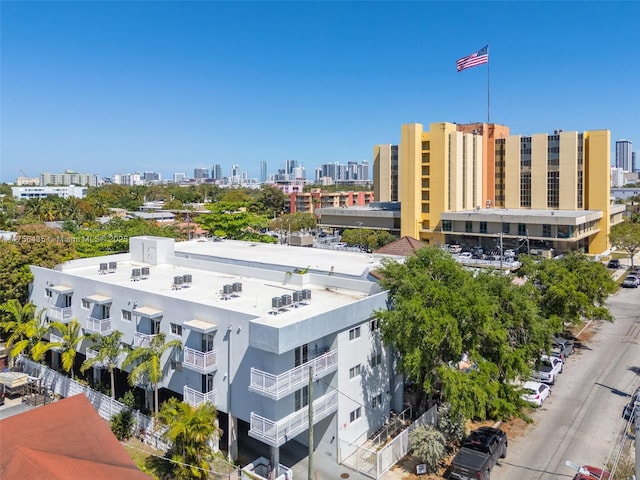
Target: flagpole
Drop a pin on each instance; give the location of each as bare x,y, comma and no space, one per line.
488,89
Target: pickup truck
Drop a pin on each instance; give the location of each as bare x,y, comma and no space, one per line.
480,452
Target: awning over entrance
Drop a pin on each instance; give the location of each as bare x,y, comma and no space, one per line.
201,325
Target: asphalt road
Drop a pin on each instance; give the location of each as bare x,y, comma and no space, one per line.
582,420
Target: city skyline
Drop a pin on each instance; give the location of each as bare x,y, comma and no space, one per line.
169,87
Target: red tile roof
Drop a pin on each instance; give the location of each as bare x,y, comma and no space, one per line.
404,246
64,440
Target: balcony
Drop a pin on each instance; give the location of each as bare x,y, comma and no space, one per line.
53,338
203,362
196,398
279,432
142,340
99,325
60,314
93,354
278,386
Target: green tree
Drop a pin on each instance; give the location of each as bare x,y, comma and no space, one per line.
15,274
626,236
108,350
28,338
233,221
571,288
44,246
14,316
294,222
68,345
191,432
269,201
147,362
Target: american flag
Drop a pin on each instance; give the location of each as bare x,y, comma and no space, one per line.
473,60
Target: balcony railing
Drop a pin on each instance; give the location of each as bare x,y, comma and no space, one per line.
277,433
278,386
93,354
201,361
53,338
195,398
99,325
61,314
142,339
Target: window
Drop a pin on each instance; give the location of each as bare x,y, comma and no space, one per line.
522,230
301,398
48,293
546,230
355,371
356,414
446,226
354,333
374,325
86,304
176,365
126,315
483,227
376,401
376,360
468,227
176,329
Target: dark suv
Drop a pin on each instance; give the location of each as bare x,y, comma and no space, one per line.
615,263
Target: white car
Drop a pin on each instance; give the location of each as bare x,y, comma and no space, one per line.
535,392
548,369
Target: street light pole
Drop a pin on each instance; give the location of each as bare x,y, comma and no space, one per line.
359,234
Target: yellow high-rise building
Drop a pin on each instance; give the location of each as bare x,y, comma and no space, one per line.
546,191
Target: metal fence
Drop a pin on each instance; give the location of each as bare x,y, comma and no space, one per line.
375,462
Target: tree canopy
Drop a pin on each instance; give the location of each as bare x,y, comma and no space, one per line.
626,236
464,339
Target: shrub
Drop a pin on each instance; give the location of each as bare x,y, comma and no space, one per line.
428,444
122,424
451,426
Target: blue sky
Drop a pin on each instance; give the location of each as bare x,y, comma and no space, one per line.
116,87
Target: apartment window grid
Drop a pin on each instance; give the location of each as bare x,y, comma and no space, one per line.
483,227
447,226
553,189
580,170
176,329
426,145
426,157
505,228
449,166
525,189
546,230
499,173
374,325
376,360
355,371
464,172
355,414
376,401
553,150
354,333
126,315
474,156
522,229
301,398
86,304
525,151
468,227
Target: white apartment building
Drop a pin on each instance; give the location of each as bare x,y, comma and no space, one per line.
254,320
43,192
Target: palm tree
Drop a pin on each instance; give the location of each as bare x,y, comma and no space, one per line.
68,345
190,432
108,350
16,315
29,337
147,362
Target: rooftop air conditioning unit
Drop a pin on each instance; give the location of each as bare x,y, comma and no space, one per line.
113,266
306,294
178,281
145,272
286,300
103,268
237,287
187,279
227,289
297,296
276,302
135,274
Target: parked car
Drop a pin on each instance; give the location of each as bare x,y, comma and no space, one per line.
630,282
562,348
627,412
455,249
480,452
547,370
614,263
2,393
465,255
535,392
587,472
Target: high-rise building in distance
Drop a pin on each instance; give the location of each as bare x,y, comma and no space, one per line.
69,177
263,171
216,171
200,173
623,154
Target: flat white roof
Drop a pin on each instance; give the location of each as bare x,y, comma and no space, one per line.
255,298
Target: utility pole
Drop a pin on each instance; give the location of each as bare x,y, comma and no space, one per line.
310,471
501,251
230,421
